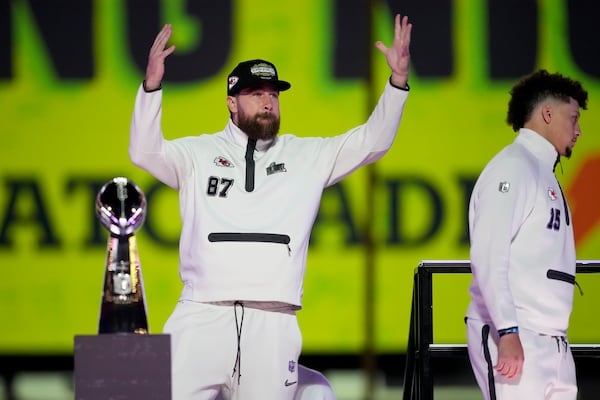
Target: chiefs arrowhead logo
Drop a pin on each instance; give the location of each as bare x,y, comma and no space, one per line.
223,162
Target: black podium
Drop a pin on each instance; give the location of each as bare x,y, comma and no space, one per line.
122,366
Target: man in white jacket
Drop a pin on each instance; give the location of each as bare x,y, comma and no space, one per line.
248,199
522,249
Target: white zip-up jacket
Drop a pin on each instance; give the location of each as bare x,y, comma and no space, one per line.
522,247
239,245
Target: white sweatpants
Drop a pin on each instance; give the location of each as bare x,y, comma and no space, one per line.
241,352
312,385
548,368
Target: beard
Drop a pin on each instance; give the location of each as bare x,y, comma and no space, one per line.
263,126
568,151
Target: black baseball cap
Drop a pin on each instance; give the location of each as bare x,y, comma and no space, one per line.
254,73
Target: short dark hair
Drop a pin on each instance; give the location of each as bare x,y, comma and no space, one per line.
534,88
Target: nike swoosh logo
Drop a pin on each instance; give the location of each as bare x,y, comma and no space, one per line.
286,383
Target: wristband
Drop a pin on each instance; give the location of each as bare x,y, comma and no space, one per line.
406,89
152,90
514,329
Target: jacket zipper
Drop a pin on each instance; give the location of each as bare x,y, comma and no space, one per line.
251,237
564,277
560,276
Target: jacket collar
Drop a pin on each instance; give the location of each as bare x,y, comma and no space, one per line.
539,146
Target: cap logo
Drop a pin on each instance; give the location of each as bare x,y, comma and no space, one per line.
232,81
263,70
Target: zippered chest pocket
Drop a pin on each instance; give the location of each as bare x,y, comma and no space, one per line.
256,237
560,276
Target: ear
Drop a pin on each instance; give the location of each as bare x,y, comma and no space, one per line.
547,111
232,104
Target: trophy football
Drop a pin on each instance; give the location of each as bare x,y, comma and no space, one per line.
121,208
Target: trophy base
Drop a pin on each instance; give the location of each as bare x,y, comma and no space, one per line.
122,366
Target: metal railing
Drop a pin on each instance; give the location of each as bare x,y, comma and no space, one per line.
418,376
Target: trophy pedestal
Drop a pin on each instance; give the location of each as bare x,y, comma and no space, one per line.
122,366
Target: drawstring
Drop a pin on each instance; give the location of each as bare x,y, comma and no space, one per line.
557,343
238,360
485,333
563,340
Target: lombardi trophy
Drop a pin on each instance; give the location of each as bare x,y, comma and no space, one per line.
121,208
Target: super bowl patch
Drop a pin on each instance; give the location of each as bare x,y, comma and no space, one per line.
273,168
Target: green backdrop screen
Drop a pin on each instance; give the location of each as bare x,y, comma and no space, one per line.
62,137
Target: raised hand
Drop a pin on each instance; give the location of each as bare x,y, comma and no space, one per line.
155,69
398,55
